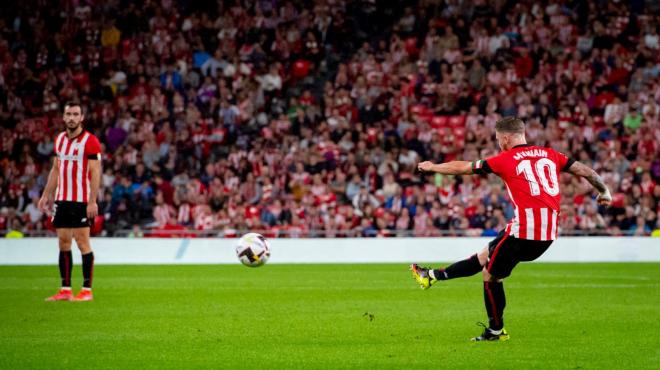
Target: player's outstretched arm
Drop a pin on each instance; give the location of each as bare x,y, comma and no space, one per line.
448,168
581,170
46,202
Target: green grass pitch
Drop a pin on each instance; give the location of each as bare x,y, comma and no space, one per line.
570,316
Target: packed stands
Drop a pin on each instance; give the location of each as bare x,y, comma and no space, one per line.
308,118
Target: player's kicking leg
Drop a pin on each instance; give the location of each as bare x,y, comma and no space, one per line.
82,240
64,237
426,277
493,288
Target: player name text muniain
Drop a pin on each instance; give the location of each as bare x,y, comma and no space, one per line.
530,153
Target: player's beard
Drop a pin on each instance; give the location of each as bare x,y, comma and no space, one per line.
71,129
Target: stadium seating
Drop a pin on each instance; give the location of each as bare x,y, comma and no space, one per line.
219,120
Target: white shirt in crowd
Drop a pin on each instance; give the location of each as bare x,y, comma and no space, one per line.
270,82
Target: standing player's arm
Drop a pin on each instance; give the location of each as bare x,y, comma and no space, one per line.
448,168
95,183
46,202
581,170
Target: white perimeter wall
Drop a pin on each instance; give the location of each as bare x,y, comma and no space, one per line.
44,251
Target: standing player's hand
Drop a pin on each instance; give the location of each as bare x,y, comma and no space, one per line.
92,210
45,204
425,166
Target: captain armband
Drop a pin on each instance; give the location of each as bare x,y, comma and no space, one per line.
481,167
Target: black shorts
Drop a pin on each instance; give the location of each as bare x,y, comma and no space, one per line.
71,215
505,251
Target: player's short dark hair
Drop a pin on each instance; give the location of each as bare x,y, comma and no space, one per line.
73,103
512,125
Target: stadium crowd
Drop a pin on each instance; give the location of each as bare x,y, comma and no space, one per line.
301,118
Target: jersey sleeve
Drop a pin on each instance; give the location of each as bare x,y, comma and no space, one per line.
56,144
93,148
563,161
488,165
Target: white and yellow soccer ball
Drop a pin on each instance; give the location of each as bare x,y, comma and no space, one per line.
253,250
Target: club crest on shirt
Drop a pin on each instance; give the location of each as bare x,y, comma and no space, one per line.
75,151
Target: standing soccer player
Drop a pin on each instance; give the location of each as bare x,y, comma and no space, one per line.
73,185
531,176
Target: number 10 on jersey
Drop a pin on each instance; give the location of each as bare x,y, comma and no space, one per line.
550,186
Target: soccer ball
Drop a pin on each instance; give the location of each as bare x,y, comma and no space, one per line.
252,250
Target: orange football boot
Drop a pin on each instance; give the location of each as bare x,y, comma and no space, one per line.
84,295
64,294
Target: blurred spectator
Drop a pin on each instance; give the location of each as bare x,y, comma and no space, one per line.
363,200
136,232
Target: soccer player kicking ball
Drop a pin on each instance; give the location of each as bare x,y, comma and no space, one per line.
531,176
73,184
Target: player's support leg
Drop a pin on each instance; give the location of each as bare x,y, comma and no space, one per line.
82,240
495,301
426,277
65,265
502,261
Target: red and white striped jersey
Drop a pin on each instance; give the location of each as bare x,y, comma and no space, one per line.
531,176
74,156
163,213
